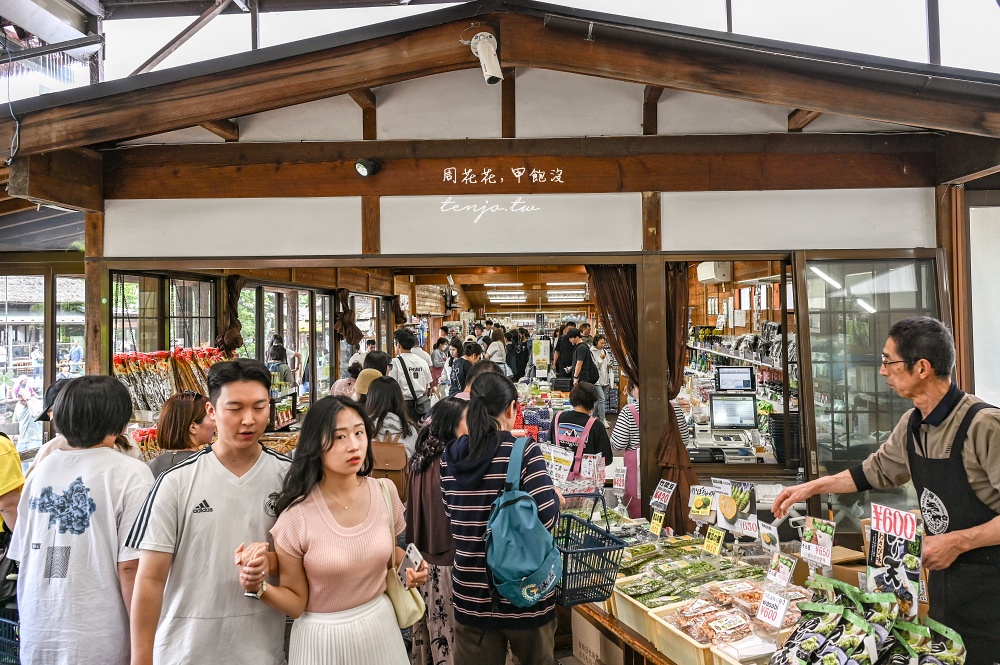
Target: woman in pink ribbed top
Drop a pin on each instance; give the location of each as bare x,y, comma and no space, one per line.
333,543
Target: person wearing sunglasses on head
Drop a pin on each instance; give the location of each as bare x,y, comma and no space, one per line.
948,446
183,429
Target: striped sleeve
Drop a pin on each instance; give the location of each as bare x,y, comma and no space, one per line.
682,424
625,435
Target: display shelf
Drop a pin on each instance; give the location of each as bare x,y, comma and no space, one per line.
272,423
751,361
635,647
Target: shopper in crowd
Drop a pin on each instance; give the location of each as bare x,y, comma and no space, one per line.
187,607
513,347
496,352
472,474
333,545
482,367
386,408
29,432
625,437
183,429
277,363
947,446
418,351
582,367
562,358
11,481
438,357
523,354
293,358
345,387
359,355
454,353
585,335
479,332
76,575
569,427
37,363
377,360
363,383
471,354
427,527
410,371
603,362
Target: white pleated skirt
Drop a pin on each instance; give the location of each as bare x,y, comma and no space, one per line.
365,635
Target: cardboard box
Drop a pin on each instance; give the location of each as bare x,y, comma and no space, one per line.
591,647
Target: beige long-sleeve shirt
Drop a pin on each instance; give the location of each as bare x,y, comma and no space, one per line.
888,467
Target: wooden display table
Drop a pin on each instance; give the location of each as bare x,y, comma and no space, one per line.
637,649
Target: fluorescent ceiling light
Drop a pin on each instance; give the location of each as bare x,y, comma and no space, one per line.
567,292
501,286
865,306
826,278
553,298
565,283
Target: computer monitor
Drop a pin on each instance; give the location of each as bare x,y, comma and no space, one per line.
735,377
733,411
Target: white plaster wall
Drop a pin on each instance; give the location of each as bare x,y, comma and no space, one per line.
551,103
453,105
681,112
232,227
984,247
333,119
807,219
558,223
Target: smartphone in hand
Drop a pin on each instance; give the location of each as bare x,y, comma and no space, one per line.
411,559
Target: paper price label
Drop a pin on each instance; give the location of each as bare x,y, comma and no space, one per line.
772,609
562,462
748,527
817,554
664,490
817,541
619,481
726,624
781,569
769,537
656,523
894,522
588,466
713,540
724,486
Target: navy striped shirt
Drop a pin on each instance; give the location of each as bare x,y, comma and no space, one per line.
467,502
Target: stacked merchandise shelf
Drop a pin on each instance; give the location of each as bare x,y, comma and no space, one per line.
152,378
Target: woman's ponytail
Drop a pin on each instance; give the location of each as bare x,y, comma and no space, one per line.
491,395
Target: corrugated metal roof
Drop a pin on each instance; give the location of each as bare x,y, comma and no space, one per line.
44,229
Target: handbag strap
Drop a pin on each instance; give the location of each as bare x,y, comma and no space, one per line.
392,518
406,373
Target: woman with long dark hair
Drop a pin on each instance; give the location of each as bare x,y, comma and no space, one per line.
473,471
333,543
387,410
427,527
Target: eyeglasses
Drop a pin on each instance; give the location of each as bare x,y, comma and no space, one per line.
886,362
192,394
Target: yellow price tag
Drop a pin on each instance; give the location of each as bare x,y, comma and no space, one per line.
713,540
656,524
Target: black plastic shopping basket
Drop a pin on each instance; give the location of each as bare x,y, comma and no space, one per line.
591,556
10,639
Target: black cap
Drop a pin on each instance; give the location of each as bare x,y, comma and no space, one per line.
50,398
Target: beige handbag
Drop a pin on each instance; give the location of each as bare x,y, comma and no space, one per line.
407,603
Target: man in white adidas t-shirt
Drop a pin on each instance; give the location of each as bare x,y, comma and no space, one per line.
188,606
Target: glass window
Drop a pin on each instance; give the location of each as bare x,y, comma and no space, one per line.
22,357
324,338
270,316
968,34
984,247
70,351
851,306
191,317
248,317
888,28
135,313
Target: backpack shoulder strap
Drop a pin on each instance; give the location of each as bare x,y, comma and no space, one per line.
406,373
513,481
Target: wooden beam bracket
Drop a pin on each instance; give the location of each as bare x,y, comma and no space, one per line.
800,118
71,179
225,129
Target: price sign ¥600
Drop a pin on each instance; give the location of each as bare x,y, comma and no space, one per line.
772,609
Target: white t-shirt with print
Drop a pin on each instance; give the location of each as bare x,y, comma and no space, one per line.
420,374
75,512
200,512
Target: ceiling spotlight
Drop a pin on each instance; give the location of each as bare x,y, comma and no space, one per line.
484,47
366,168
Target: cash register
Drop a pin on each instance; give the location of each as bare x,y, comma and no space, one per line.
733,418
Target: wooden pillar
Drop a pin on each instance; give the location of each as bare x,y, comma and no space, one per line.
953,238
371,225
651,239
97,297
651,296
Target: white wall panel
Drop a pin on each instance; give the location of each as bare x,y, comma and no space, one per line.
232,227
187,135
333,119
551,103
984,247
808,219
680,112
454,105
511,223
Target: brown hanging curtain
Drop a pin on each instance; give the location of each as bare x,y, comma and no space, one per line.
397,311
671,454
231,338
613,287
343,318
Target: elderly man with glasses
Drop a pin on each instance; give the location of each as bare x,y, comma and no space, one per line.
949,446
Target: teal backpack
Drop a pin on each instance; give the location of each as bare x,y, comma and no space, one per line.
522,559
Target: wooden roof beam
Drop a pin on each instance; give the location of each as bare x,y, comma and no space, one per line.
799,118
71,179
363,97
225,129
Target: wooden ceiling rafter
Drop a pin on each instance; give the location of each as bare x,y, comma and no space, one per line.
227,130
800,118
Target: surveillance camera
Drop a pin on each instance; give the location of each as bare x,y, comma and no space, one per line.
484,46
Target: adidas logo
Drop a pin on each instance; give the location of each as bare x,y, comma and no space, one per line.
202,507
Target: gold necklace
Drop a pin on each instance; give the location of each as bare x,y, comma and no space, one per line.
350,499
